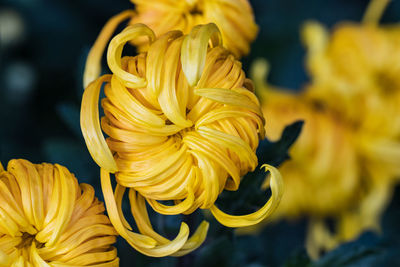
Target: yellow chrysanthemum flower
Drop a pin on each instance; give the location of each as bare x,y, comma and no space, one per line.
234,18
48,219
323,145
346,162
183,125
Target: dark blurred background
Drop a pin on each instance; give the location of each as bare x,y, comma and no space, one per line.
43,47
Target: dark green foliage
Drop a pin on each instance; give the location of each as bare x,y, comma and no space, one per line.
276,152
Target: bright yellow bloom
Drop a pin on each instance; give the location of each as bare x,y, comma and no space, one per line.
48,219
183,125
234,18
346,161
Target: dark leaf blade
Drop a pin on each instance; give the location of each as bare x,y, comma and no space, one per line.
275,153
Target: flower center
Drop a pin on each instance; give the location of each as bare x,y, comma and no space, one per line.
194,7
180,135
27,240
386,82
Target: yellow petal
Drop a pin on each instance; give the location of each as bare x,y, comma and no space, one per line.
115,51
90,126
138,208
261,214
5,260
93,61
134,239
229,97
375,11
194,50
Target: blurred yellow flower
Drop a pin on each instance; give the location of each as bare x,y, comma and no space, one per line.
48,219
234,18
323,145
183,124
346,161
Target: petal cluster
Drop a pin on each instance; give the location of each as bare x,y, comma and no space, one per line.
48,219
183,124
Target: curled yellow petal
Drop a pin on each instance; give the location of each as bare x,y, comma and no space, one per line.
194,50
90,126
139,212
195,241
115,51
93,61
229,97
131,237
276,184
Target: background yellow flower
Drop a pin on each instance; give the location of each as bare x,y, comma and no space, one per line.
345,164
48,219
234,18
323,145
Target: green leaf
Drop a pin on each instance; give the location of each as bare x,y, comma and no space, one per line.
275,153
